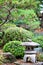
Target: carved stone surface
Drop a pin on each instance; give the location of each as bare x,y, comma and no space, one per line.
32,57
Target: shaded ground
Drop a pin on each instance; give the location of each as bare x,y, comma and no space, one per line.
39,30
22,63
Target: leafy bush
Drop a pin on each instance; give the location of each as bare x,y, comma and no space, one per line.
1,42
1,59
27,17
1,34
39,39
16,33
1,38
3,28
15,48
7,25
23,3
40,57
17,15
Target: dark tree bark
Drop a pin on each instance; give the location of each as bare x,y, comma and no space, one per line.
7,18
41,21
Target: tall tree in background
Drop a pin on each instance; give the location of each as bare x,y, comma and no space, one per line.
6,7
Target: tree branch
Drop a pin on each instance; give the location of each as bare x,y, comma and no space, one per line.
7,18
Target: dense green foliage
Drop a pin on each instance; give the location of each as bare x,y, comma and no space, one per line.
7,25
1,39
19,17
16,33
1,59
22,3
11,9
40,57
1,42
27,17
15,48
3,28
39,39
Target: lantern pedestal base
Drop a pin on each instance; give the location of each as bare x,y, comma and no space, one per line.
30,57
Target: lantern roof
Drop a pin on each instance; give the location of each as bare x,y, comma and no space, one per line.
33,44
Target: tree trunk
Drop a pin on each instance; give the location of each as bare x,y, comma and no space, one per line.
41,21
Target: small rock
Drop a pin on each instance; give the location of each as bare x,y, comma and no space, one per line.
16,63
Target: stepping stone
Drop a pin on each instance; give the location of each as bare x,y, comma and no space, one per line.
16,63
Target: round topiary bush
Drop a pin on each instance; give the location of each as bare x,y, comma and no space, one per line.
39,39
16,33
15,48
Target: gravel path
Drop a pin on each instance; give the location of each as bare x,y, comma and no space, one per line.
24,64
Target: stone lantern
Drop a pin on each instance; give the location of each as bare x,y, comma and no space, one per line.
30,54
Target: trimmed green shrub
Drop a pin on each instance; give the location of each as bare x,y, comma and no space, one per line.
3,28
7,25
16,33
39,39
15,48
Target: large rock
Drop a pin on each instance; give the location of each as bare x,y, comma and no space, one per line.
8,57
